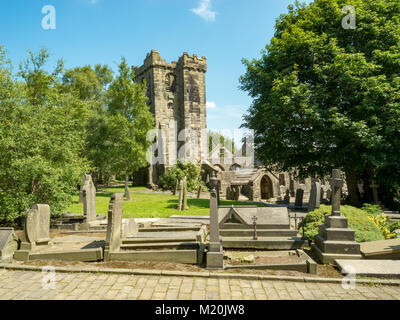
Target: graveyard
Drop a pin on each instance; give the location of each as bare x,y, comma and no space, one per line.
241,170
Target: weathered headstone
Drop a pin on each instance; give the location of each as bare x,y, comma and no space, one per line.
286,199
129,228
180,199
114,225
89,199
299,198
8,244
215,256
127,193
335,240
315,196
198,192
184,204
328,195
36,230
176,187
81,189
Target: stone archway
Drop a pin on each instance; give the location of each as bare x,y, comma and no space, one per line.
266,188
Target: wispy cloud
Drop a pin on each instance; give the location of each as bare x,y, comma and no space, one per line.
211,105
204,10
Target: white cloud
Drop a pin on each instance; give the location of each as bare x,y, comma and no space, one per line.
204,10
211,105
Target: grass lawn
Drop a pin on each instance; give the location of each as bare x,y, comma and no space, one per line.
147,205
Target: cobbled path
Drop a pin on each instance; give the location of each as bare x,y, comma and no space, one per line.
19,285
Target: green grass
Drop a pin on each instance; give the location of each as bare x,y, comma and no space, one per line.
365,230
147,205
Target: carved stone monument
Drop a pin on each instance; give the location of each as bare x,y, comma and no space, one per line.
335,240
215,255
36,230
114,226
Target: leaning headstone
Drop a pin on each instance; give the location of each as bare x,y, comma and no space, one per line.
315,196
198,192
8,244
335,240
36,230
215,256
89,199
299,199
114,225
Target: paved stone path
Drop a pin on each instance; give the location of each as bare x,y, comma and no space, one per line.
18,285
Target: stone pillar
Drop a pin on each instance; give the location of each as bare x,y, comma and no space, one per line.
335,240
215,256
114,225
184,196
89,199
180,200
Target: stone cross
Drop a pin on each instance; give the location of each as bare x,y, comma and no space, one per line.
375,187
336,186
255,227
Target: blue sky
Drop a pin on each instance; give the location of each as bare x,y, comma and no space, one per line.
101,31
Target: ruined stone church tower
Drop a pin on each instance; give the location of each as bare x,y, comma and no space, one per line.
177,97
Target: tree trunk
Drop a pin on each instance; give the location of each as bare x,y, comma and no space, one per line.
352,186
127,192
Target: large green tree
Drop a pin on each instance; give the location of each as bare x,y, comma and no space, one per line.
325,96
120,141
41,139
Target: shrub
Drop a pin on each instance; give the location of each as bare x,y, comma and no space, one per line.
178,172
365,229
376,215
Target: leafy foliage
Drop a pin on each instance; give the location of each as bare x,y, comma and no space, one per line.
178,172
365,229
326,97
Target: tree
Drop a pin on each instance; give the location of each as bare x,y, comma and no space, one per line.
215,137
128,121
325,96
41,139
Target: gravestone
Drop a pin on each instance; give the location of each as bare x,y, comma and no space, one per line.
335,240
299,198
322,195
8,244
315,196
127,193
36,230
176,187
184,204
328,195
129,228
114,226
215,256
81,189
375,188
89,199
198,192
286,199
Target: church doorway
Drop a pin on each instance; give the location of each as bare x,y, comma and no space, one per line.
267,191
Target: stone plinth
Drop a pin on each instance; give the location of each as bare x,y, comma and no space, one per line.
8,244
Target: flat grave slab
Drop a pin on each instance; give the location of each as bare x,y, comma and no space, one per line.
381,249
370,268
164,234
267,217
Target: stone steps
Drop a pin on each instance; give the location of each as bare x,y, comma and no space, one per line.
337,247
265,243
129,241
161,245
260,233
336,234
